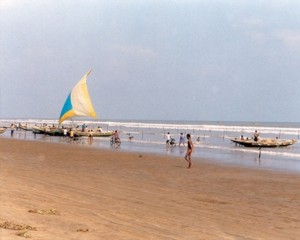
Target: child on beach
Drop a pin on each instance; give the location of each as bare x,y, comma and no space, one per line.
189,150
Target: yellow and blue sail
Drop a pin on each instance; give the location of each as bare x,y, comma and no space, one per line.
78,103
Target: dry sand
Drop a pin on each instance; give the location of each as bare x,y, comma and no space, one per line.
52,191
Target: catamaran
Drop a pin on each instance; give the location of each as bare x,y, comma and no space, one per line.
265,142
79,104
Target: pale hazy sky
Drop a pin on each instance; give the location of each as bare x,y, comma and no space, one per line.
157,60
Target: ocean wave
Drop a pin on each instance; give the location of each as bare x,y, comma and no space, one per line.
171,126
285,153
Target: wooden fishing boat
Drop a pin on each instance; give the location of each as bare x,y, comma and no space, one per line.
93,133
25,127
38,130
53,131
47,130
264,142
2,130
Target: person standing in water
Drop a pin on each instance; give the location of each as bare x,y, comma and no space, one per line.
256,135
181,139
168,136
189,150
12,129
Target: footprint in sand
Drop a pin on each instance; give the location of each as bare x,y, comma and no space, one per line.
82,230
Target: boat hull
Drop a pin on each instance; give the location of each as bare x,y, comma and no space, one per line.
264,143
25,128
2,130
38,130
47,131
55,132
94,134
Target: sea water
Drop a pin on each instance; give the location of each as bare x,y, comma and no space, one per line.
211,139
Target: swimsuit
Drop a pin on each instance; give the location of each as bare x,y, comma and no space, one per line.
189,145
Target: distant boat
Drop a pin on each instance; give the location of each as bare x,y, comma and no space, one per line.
79,104
265,142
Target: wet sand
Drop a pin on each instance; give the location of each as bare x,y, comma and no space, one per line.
59,191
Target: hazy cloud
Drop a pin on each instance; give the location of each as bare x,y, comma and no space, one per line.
252,23
134,50
290,38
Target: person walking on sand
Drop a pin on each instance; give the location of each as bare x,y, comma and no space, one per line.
189,150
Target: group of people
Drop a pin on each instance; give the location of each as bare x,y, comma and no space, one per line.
170,139
190,146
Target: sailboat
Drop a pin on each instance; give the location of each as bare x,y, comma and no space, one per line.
79,104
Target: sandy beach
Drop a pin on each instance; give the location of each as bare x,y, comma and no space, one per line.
58,191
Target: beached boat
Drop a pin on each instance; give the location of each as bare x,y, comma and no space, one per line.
2,130
47,130
79,104
25,127
94,133
38,130
54,131
264,142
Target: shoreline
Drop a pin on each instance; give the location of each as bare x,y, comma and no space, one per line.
200,153
72,192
